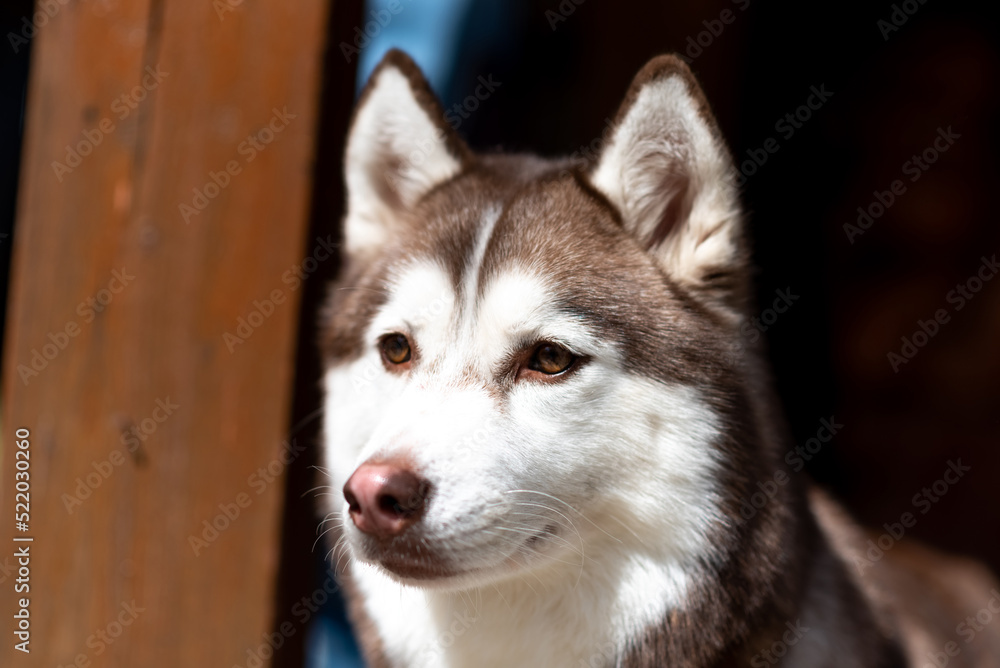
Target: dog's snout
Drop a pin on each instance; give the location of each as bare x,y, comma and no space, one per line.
386,497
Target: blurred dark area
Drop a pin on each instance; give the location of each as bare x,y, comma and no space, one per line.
15,56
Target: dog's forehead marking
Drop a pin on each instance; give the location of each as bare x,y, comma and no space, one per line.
416,284
473,268
513,300
426,289
422,299
524,306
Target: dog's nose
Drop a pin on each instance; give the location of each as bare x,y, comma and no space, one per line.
385,497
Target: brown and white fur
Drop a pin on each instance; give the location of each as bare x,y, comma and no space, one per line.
588,517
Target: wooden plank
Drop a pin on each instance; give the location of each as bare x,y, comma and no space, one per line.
146,420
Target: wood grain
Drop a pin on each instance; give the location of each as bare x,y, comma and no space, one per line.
222,76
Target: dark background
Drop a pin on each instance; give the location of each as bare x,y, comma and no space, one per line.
14,62
829,351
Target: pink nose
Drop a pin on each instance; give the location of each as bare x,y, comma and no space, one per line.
385,497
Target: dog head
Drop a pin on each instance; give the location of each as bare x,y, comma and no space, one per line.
528,361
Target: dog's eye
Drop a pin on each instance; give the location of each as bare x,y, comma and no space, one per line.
551,359
396,349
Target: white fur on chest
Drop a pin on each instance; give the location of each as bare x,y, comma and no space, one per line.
528,622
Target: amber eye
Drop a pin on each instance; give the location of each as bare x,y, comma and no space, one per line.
551,359
396,349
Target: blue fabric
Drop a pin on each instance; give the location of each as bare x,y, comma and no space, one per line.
428,30
330,645
329,641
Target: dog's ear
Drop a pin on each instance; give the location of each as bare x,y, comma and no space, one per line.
667,170
398,148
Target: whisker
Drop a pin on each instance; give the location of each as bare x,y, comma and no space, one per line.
321,469
342,549
532,491
315,488
626,527
549,536
501,595
321,535
544,517
571,524
363,287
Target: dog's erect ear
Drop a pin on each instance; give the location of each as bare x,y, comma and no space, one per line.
667,170
399,147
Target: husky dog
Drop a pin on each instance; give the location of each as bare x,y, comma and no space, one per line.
543,439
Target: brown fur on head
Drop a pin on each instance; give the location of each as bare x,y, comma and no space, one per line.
617,479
